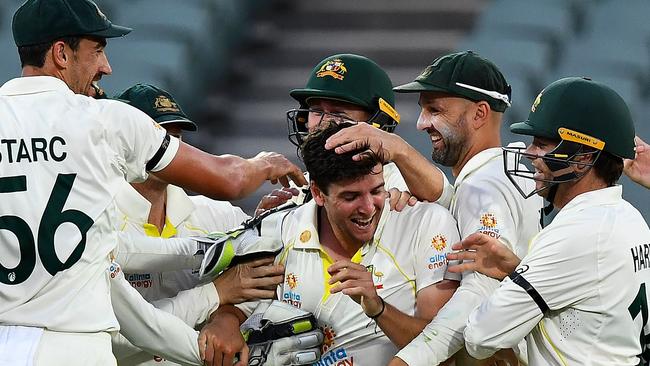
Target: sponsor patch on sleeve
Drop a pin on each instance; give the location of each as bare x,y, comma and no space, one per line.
489,225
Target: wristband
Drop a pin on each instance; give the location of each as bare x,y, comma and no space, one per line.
383,307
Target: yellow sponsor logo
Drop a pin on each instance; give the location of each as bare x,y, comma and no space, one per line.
385,107
575,136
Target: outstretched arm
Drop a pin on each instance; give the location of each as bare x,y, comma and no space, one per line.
424,180
227,177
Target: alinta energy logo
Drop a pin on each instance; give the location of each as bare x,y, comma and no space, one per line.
330,355
292,297
489,225
439,243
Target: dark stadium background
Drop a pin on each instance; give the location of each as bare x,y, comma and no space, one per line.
231,63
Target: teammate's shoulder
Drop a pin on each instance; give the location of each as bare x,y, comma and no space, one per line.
423,212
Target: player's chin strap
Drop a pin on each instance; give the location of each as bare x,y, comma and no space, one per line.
546,210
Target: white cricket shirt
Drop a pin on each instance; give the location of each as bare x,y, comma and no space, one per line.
580,296
408,253
62,158
484,201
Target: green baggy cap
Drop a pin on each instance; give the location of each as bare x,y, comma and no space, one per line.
158,104
40,21
464,74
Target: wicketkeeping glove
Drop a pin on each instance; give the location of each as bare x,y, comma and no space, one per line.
256,238
280,334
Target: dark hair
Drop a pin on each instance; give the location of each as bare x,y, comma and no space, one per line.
608,168
326,166
34,55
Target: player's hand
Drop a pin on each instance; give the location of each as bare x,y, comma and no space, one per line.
383,144
398,200
483,254
256,279
220,341
275,199
355,281
280,169
639,169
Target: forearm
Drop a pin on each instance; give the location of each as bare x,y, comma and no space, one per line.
399,327
223,177
443,336
150,329
139,253
424,180
230,310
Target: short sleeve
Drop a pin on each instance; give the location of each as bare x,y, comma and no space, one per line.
436,235
138,141
483,207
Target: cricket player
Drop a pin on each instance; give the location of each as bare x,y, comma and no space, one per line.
579,296
157,209
462,99
64,156
348,87
372,277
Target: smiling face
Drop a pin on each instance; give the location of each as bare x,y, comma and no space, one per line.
87,65
353,207
443,117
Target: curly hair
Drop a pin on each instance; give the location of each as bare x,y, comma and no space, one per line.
326,166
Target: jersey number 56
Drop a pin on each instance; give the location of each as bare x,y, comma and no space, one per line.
53,217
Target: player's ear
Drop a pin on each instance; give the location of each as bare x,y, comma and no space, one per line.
317,193
60,54
481,114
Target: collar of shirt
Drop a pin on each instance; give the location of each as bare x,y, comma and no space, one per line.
480,159
136,207
33,84
475,162
307,229
604,196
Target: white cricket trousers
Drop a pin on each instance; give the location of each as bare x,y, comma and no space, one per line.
30,346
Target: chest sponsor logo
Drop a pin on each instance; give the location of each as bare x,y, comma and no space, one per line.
337,357
292,297
140,280
330,355
489,225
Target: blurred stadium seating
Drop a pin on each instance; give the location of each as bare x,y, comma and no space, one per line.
231,63
537,42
